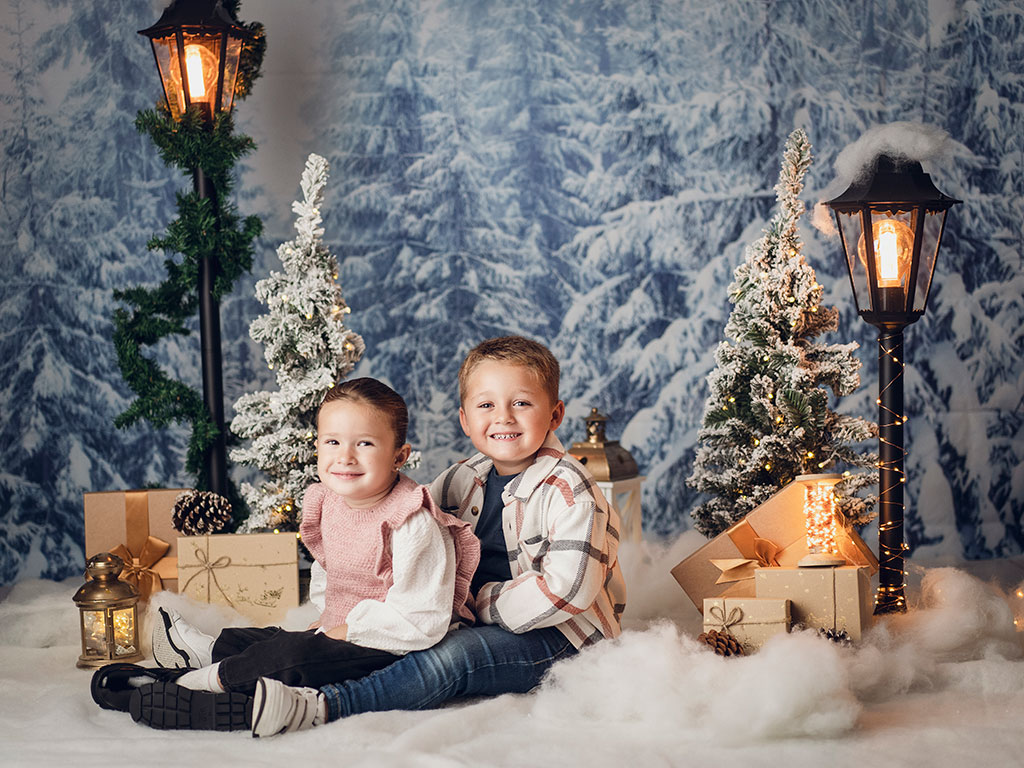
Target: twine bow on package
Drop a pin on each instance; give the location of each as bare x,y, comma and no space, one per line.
257,574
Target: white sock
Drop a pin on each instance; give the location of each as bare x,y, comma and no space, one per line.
203,679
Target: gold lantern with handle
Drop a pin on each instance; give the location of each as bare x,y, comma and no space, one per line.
108,614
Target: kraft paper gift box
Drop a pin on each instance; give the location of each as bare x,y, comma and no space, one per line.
773,534
751,620
837,598
136,526
257,574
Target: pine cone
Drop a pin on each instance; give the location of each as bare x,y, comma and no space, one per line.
197,513
723,643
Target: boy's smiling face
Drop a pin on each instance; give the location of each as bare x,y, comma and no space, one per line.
507,414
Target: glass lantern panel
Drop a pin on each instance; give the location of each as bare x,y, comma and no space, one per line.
892,235
850,232
233,53
202,64
165,50
123,620
930,241
94,633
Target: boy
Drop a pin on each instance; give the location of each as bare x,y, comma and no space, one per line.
548,582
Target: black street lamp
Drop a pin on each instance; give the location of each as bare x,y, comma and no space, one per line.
197,46
891,274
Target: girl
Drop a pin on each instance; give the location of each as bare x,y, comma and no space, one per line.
398,574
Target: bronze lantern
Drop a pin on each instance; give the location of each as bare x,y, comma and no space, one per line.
616,473
108,614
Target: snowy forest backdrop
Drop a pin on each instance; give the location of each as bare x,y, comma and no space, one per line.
584,172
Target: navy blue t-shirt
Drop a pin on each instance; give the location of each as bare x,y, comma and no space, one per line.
493,553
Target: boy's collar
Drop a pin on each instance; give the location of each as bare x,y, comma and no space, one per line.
550,453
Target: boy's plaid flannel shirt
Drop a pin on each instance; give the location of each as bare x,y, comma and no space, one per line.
562,539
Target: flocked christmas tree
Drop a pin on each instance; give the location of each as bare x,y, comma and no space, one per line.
768,417
309,348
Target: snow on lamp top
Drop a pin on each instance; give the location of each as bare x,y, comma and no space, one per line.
891,219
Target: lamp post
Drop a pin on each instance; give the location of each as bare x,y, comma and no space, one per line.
890,224
197,46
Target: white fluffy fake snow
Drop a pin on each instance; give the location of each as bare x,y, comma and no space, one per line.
942,685
926,144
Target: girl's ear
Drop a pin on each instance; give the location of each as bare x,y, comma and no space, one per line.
402,455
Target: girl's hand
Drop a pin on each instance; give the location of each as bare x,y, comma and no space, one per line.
339,632
314,625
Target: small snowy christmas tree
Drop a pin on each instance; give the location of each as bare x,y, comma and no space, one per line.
767,418
309,349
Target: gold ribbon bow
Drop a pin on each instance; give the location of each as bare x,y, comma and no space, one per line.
205,566
735,616
756,552
138,570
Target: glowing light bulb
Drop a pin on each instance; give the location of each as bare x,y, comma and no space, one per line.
893,244
888,264
194,71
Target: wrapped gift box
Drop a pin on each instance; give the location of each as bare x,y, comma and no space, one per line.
136,526
751,620
772,534
825,598
257,574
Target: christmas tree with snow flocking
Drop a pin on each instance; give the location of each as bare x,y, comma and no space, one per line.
309,348
767,417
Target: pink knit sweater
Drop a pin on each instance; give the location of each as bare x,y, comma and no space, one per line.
354,546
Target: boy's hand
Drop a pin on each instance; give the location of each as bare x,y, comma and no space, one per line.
339,632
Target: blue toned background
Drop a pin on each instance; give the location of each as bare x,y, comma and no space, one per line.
584,172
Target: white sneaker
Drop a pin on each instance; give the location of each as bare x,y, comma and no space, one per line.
279,708
177,644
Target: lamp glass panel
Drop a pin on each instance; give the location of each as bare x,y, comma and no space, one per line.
123,620
893,248
165,50
232,53
94,633
202,52
850,232
930,237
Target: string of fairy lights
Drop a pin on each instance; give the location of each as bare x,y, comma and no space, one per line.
819,498
891,545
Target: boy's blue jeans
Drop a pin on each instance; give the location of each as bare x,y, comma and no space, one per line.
475,661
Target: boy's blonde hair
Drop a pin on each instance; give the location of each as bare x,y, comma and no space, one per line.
518,351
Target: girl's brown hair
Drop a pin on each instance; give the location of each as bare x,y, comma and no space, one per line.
375,394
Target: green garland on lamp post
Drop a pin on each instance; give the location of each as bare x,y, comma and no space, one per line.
210,237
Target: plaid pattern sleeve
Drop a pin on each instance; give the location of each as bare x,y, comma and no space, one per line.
563,541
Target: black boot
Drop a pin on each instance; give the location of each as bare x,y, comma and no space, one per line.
173,707
110,687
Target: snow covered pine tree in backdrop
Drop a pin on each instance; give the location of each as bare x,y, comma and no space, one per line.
309,349
767,418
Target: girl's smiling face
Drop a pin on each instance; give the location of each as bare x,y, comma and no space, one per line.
507,414
356,453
